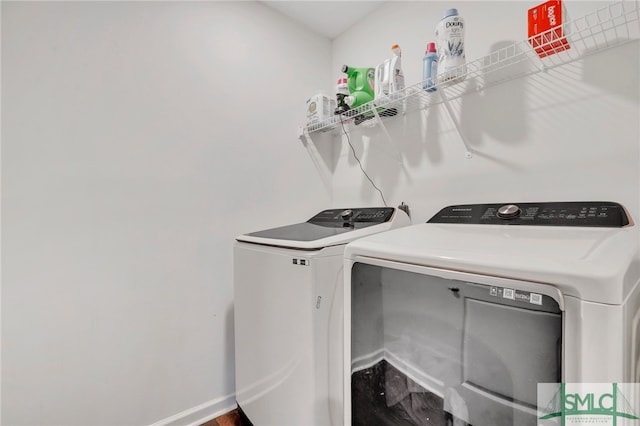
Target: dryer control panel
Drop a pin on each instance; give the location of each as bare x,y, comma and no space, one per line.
571,213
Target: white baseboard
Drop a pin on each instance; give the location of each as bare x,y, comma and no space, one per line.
407,368
428,382
202,413
368,360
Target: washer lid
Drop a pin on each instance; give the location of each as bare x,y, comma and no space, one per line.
327,228
596,264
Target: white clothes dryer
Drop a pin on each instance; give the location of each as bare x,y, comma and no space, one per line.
288,284
456,321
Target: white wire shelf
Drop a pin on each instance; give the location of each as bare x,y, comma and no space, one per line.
607,27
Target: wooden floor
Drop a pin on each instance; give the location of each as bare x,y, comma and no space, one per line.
230,419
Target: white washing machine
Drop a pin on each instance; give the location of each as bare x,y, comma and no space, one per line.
288,285
456,321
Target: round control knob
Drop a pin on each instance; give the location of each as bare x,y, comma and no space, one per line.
509,211
346,214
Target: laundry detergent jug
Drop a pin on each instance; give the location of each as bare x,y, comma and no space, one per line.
361,83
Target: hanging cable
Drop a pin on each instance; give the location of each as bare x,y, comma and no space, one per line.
359,163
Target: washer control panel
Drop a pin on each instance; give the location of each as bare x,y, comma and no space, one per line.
571,213
369,214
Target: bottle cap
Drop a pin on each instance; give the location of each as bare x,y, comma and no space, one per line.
450,12
395,46
345,68
431,48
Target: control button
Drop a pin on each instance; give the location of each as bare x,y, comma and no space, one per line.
346,214
509,211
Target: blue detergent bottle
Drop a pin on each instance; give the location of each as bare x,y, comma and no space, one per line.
429,68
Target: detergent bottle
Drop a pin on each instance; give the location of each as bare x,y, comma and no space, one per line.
429,68
360,82
396,82
450,42
389,76
381,79
342,87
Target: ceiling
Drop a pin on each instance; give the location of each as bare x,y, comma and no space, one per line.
327,18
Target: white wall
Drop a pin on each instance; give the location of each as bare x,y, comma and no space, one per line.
138,138
571,133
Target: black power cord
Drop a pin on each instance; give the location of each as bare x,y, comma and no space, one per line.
359,163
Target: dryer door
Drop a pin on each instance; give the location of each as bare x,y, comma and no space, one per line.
430,349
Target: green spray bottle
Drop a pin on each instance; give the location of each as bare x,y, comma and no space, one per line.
360,82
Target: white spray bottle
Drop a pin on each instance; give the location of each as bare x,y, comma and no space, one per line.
389,76
396,82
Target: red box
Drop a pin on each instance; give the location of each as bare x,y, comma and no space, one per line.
546,31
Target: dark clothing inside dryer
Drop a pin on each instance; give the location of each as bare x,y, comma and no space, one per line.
384,396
